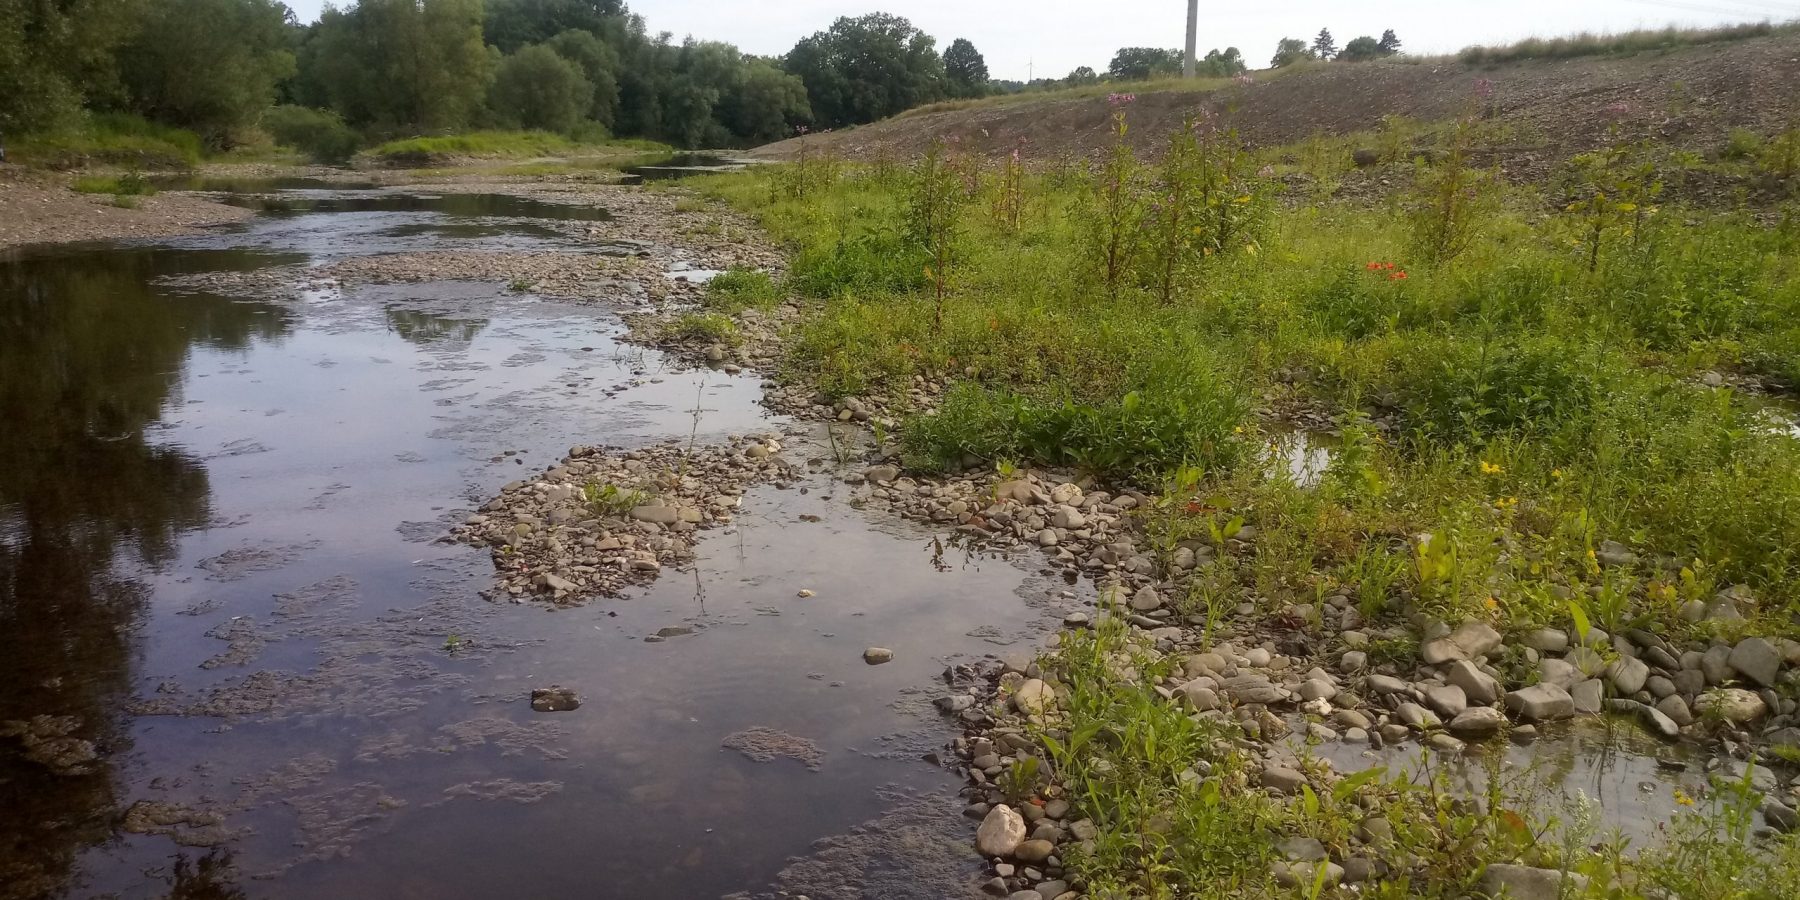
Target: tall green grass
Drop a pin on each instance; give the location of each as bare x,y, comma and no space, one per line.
111,138
1621,43
501,145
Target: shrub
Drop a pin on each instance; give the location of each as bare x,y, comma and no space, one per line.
1457,391
737,288
320,134
704,328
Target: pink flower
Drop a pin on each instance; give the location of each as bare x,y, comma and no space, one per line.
1484,88
1120,99
1245,80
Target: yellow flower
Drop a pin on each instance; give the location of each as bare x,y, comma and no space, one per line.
1488,468
1238,430
1506,502
1493,604
1682,798
1555,473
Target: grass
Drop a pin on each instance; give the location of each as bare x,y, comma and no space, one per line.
502,145
110,138
1621,43
1099,89
132,184
1538,388
706,328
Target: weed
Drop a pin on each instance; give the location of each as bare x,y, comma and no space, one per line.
708,328
611,500
739,288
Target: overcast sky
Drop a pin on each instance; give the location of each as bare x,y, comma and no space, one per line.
1050,37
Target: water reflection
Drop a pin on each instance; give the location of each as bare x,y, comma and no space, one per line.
431,329
89,359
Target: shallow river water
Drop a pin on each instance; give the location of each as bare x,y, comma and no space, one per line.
218,564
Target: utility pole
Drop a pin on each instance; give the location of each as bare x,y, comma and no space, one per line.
1188,62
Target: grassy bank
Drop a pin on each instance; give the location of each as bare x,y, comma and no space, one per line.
502,145
109,139
1568,385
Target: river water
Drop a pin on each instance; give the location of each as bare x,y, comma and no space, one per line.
218,566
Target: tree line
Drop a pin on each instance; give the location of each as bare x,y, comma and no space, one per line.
233,70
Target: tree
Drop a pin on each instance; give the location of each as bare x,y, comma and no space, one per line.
1324,46
511,24
1389,43
965,72
867,68
1290,51
536,88
1081,75
399,64
765,105
1141,63
55,56
208,65
1223,65
1361,49
599,64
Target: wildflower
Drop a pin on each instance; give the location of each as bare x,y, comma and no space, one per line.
1682,798
1488,468
1193,506
1398,276
1556,474
1372,266
1492,604
1120,99
1238,430
1506,503
1484,88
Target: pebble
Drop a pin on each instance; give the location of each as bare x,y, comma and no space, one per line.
875,656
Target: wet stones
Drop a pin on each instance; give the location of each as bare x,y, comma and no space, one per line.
1757,660
1468,641
554,699
875,656
1540,703
1477,723
1526,883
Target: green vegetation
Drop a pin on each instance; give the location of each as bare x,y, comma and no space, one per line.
1590,44
129,185
1524,369
706,328
320,134
110,138
737,289
500,145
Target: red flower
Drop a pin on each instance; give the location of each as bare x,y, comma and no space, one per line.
1372,266
1398,276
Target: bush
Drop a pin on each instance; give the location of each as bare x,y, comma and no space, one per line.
874,262
737,288
320,134
536,88
1475,391
129,185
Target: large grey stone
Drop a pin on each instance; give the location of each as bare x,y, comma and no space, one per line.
1477,723
1282,779
1416,717
1734,705
1588,696
1546,640
1540,703
1627,675
1557,672
1385,684
1447,700
1468,641
1479,687
1757,660
1526,883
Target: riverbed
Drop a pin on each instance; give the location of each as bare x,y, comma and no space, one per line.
223,586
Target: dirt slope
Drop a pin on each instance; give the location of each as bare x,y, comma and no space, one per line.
1691,97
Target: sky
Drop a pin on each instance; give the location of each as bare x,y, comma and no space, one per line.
1047,38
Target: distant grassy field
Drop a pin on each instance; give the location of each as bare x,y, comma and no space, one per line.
501,145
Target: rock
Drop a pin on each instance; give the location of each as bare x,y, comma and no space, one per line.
954,703
1589,696
1558,673
660,515
875,656
1477,723
1446,743
1613,554
552,582
1076,619
1540,703
1468,641
1479,687
1068,517
554,699
1627,675
1734,705
1199,695
1416,717
1048,538
1034,851
1146,599
1716,664
1358,869
1033,697
1447,700
1317,689
1353,661
1527,883
1386,684
1001,832
1546,640
1779,817
1676,709
881,474
1301,849
1757,660
1658,722
1736,771
1252,688
1282,780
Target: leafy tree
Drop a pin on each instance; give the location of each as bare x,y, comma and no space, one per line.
766,104
1082,75
398,64
208,65
1290,51
1223,65
1389,43
536,88
1361,49
1140,63
511,24
599,64
866,68
55,56
966,71
321,134
1324,46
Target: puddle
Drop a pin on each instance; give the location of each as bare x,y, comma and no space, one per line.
252,185
1302,456
451,204
682,165
217,562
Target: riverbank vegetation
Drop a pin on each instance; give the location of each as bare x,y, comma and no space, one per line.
1581,389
